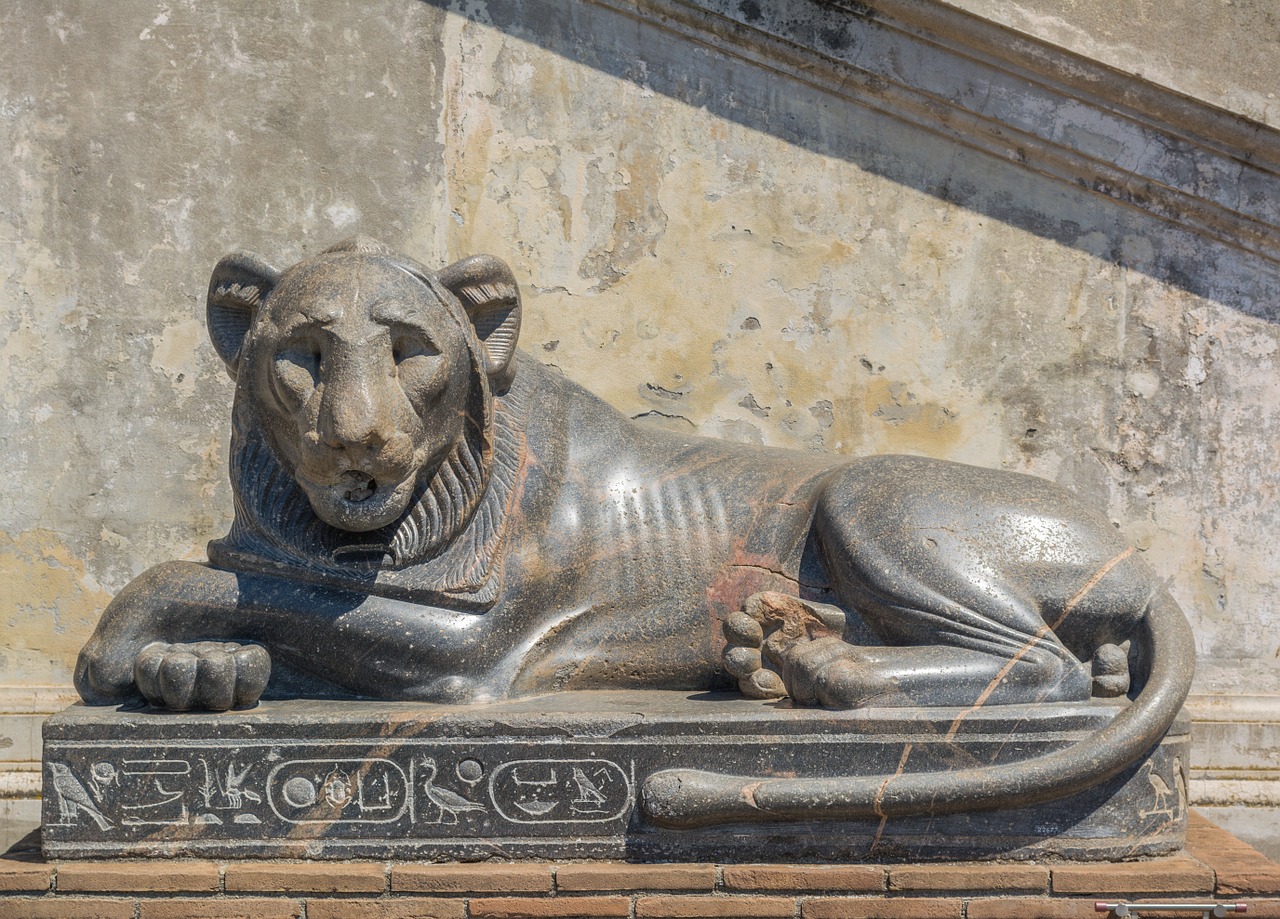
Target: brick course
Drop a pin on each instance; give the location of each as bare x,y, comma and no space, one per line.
882,908
1178,875
1216,865
804,877
219,908
737,907
1240,868
979,876
1027,907
25,873
386,908
536,907
501,878
66,908
161,876
621,876
310,877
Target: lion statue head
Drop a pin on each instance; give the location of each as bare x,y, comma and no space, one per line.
364,420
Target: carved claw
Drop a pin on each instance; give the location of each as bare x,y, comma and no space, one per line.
780,645
771,632
209,675
743,659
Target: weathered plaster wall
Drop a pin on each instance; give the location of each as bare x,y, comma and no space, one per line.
1222,53
708,246
146,141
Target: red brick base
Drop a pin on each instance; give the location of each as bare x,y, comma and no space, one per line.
1216,866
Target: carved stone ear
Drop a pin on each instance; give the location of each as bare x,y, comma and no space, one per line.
488,292
240,282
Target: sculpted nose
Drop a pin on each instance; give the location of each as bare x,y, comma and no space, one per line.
352,414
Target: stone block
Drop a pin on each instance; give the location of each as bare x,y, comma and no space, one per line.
470,879
1033,878
159,877
71,908
285,877
220,908
24,872
1025,907
560,777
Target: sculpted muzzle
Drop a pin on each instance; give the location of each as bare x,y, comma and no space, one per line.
358,466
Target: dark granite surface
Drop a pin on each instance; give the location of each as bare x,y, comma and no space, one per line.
561,776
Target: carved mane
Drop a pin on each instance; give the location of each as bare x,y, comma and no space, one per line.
443,544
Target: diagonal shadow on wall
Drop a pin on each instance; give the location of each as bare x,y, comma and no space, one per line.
953,160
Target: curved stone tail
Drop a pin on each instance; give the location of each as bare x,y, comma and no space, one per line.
688,798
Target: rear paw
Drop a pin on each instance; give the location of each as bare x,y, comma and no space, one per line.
209,675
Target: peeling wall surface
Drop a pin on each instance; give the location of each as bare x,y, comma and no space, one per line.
707,245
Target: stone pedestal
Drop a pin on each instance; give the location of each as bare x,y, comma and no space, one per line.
558,777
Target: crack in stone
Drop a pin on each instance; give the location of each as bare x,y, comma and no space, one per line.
1040,633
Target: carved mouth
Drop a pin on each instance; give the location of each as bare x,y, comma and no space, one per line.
357,501
355,486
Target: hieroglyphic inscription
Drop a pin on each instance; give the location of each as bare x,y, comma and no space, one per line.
561,790
373,790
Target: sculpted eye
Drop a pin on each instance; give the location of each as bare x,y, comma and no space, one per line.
298,367
406,345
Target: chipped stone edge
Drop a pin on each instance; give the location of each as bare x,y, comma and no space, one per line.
1199,167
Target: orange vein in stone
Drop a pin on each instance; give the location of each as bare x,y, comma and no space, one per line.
876,804
1040,633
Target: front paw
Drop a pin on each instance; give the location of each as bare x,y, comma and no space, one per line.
781,645
209,675
743,658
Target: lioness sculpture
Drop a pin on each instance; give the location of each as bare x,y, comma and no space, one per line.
422,512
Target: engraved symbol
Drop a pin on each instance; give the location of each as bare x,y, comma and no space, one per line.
529,801
299,792
151,799
335,788
589,799
448,803
231,791
560,791
519,780
374,801
168,797
103,776
234,790
72,797
469,771
156,767
1160,789
352,790
1180,781
536,807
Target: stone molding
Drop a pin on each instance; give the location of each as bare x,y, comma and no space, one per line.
1059,114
